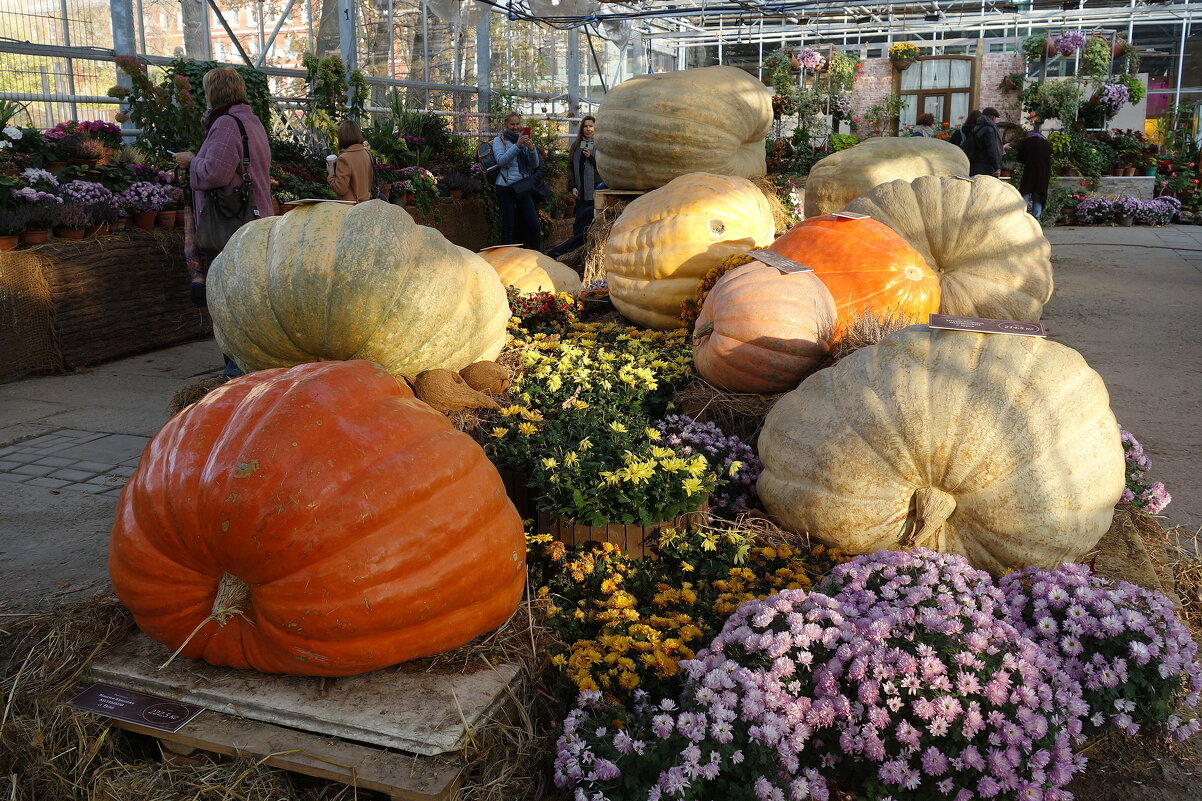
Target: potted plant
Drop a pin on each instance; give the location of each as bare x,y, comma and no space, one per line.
1069,42
810,59
902,55
12,217
1124,209
42,211
457,184
1038,47
1013,82
144,200
423,187
173,200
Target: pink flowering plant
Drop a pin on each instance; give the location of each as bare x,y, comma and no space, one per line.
1135,663
147,196
97,204
1069,42
40,210
899,677
811,59
1150,497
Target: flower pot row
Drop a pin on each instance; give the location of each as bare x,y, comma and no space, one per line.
40,236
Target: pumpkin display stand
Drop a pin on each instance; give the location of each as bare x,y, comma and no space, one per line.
632,539
393,731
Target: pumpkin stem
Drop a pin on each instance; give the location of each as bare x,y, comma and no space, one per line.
703,331
233,594
932,508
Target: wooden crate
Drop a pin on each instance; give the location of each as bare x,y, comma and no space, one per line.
400,776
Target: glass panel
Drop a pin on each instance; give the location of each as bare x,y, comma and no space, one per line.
909,111
933,104
959,109
961,72
935,74
910,79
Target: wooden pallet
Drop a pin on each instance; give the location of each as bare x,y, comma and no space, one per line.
400,776
606,197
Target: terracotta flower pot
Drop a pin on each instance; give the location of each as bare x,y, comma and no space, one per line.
69,233
145,219
34,237
457,194
119,224
55,166
408,199
8,243
166,219
1128,171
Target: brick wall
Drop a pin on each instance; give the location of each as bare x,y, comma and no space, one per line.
873,84
876,80
994,67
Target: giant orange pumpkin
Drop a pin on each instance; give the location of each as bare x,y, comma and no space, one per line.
762,331
868,268
317,520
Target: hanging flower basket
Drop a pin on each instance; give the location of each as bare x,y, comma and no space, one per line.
901,64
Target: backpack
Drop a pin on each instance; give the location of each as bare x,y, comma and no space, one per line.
487,161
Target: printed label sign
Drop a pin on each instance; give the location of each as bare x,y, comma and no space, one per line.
985,326
132,706
850,215
782,263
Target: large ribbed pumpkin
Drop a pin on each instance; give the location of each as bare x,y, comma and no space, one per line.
653,128
335,282
847,174
761,331
328,521
668,239
992,257
868,268
1001,448
531,271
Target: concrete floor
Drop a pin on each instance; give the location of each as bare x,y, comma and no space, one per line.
1127,298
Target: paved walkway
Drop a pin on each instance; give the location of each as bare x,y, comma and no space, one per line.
1127,298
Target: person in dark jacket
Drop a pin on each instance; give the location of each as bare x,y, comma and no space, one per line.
583,181
1035,154
960,135
984,145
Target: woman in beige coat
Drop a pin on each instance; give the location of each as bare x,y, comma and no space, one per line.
350,175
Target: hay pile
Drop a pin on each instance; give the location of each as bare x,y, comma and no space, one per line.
780,215
50,752
739,414
594,240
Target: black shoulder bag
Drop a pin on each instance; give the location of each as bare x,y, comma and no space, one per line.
226,212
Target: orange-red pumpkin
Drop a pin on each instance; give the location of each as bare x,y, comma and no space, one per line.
762,331
868,268
317,520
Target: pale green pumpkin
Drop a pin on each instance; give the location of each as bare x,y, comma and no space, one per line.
336,282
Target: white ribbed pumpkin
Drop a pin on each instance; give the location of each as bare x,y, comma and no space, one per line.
667,240
531,271
992,257
847,174
1001,448
653,128
331,282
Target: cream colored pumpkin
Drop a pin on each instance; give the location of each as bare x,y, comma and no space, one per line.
653,128
847,174
531,271
335,282
992,257
668,239
1001,448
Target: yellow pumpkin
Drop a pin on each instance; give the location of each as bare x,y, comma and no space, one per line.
331,282
1000,448
847,174
653,128
668,239
531,271
992,257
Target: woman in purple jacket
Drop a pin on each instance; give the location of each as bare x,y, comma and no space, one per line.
218,164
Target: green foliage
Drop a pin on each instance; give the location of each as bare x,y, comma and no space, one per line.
1013,82
1095,59
880,119
1053,99
169,112
501,101
1033,47
1135,87
8,110
841,70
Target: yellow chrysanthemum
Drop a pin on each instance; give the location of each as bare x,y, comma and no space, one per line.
499,432
617,427
652,434
527,428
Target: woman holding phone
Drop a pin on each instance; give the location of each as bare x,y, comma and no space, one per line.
583,181
517,159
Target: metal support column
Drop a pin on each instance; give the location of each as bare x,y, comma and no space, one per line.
70,62
121,12
1181,60
484,70
573,72
346,35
